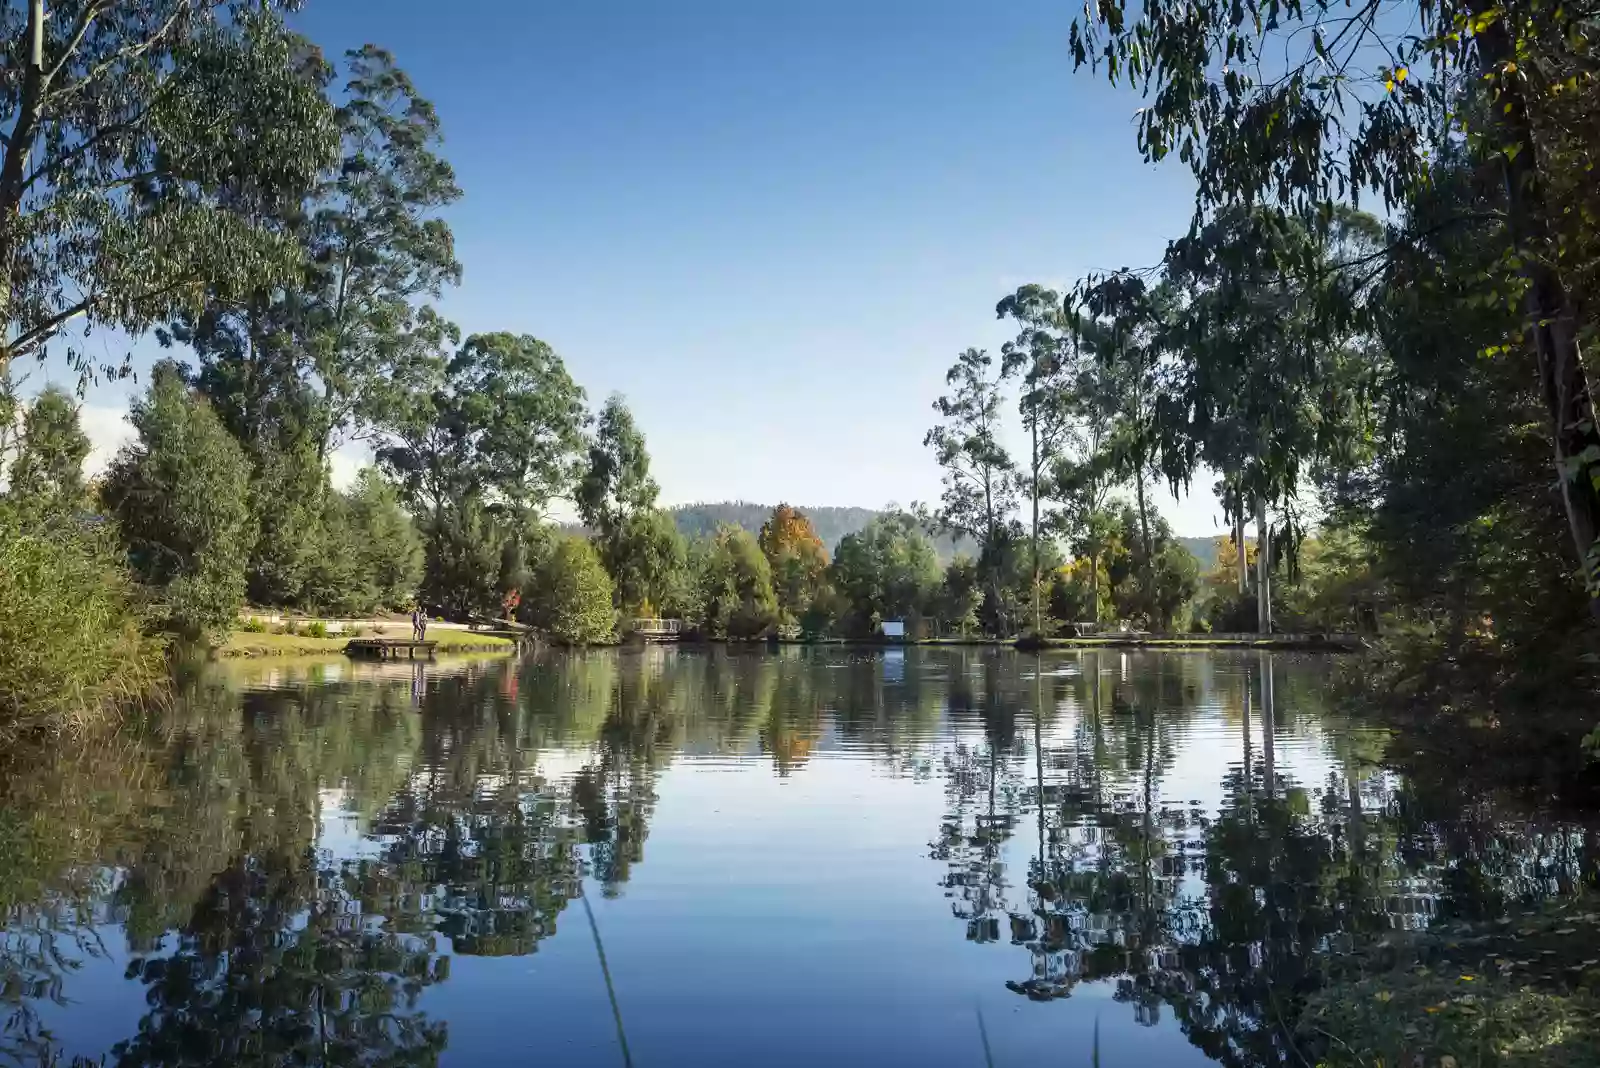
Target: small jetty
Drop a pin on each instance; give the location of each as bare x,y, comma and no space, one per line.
389,648
656,630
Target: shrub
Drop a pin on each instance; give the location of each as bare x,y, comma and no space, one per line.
290,627
254,626
181,497
70,625
316,629
575,595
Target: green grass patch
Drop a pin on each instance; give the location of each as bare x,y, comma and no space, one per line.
241,643
1517,993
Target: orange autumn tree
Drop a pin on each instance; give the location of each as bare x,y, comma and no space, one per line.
798,558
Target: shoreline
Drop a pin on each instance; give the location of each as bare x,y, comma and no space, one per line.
247,645
1320,643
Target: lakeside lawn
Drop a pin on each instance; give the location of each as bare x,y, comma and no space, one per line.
245,644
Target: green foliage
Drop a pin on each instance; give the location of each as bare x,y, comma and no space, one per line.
648,560
180,494
616,498
378,246
334,354
573,595
71,623
288,490
1073,593
316,629
1150,591
979,474
887,571
137,135
1044,356
254,625
617,482
47,470
461,562
384,540
496,434
1469,88
733,586
959,598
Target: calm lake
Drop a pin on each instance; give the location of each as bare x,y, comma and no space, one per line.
677,857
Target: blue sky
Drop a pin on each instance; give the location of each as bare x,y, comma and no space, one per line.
772,226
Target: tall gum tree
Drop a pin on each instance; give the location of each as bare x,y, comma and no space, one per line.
134,129
1310,105
1040,357
979,495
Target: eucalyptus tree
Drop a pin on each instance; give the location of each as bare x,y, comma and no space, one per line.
373,250
497,432
1267,383
136,131
1132,329
378,245
616,498
1042,356
1309,106
979,474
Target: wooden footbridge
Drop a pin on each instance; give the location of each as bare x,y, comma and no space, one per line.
657,630
390,648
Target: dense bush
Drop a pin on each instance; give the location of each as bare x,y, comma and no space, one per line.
70,624
384,542
733,581
180,494
572,595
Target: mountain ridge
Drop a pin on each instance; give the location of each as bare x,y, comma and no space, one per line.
833,522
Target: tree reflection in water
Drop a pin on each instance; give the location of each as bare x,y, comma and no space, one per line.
1227,918
289,868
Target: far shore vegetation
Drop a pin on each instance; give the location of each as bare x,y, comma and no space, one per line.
1365,389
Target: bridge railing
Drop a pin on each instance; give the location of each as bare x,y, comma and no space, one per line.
656,626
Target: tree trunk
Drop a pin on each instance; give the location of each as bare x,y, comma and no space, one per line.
1238,542
1038,620
13,172
1263,569
1094,589
1144,518
1147,565
1562,379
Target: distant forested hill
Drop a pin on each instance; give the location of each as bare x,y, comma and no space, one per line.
1204,550
831,524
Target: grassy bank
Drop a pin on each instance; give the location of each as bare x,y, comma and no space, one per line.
246,644
1519,992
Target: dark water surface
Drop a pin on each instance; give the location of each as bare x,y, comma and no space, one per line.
795,858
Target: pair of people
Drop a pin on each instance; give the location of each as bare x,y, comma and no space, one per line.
419,624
